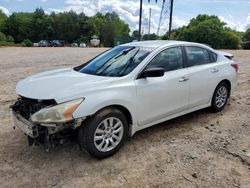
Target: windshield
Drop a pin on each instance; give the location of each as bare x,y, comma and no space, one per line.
116,62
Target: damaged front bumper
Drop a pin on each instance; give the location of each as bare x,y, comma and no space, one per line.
49,134
26,126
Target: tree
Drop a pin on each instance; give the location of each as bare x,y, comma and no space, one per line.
3,18
246,39
41,26
66,26
114,28
209,30
109,27
18,25
150,37
230,40
2,37
135,35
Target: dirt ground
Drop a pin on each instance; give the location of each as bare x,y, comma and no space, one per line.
201,149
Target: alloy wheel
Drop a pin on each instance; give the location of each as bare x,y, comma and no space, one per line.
221,97
108,134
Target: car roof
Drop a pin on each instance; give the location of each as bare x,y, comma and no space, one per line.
158,43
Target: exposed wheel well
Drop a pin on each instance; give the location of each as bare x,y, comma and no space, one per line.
228,84
124,110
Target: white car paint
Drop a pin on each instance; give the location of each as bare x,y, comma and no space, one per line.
149,100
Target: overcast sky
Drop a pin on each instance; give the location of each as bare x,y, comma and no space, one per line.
236,13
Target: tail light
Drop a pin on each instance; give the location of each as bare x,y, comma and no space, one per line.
235,66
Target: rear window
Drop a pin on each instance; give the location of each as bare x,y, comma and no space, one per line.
197,56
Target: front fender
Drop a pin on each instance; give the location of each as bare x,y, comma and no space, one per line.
99,100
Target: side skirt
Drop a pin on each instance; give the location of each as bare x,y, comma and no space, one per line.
136,127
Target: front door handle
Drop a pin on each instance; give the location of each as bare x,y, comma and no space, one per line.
183,79
214,70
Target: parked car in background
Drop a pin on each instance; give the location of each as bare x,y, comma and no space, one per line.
125,89
74,45
35,44
57,43
43,43
82,45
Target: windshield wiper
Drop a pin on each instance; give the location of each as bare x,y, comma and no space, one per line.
128,63
122,54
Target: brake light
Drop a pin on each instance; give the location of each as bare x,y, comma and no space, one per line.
235,66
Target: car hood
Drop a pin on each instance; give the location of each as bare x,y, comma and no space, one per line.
61,85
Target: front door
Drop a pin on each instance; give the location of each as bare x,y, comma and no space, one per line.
160,97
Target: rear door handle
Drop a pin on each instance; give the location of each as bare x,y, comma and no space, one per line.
183,79
214,70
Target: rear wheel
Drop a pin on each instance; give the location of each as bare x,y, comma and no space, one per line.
220,97
104,133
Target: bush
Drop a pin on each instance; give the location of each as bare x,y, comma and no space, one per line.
27,43
10,39
2,37
229,40
246,40
4,43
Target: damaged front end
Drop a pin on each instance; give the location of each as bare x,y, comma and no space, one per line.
44,121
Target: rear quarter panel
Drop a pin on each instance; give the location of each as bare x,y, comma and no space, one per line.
227,72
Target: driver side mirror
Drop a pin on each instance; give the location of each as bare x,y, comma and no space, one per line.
152,72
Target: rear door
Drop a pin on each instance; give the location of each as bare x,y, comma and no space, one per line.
203,75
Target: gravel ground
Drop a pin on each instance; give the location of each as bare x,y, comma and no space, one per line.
201,149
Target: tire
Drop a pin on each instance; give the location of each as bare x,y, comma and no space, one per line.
220,97
104,133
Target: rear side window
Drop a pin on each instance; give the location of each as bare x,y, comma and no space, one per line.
213,57
197,56
169,59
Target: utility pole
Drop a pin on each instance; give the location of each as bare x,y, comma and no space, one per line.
170,18
149,22
140,17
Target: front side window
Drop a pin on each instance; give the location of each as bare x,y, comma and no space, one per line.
116,62
197,56
169,59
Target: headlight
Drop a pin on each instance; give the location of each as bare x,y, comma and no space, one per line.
56,114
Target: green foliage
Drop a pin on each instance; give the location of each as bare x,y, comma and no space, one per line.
150,37
10,39
41,25
67,26
2,37
26,28
109,28
229,40
3,18
135,35
18,25
27,43
246,40
209,30
6,41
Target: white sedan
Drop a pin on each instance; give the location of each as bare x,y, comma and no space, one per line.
123,90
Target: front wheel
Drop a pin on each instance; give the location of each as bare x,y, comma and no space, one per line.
104,133
220,97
